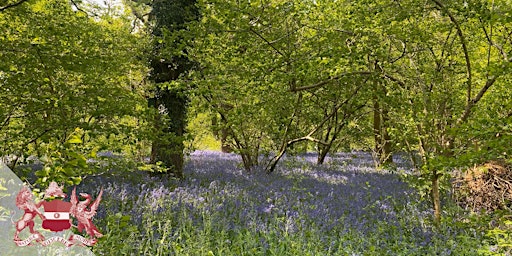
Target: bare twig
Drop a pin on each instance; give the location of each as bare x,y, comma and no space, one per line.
266,41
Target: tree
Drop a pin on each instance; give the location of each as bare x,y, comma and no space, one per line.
267,68
169,62
448,65
60,71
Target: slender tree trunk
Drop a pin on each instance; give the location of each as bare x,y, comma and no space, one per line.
376,119
224,145
215,130
436,199
222,135
387,154
382,138
324,149
377,128
322,154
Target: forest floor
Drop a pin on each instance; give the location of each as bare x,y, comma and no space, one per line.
343,207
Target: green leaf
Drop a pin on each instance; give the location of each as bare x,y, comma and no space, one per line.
75,140
76,180
69,172
94,152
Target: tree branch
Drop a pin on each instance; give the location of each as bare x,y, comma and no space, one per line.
307,138
473,102
322,83
350,33
266,41
12,5
493,44
394,79
272,164
7,119
327,81
81,10
402,54
463,43
490,81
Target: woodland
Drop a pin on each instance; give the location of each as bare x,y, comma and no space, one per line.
402,108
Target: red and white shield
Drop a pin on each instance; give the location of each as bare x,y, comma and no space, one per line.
56,213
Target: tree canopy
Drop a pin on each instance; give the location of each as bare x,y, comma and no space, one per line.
62,71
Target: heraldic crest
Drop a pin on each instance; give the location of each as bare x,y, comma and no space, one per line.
56,216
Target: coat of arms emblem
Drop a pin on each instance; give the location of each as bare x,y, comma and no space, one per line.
57,216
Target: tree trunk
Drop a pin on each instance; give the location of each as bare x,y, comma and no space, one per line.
224,145
222,135
171,102
322,153
387,154
382,138
167,146
249,159
377,128
436,200
324,149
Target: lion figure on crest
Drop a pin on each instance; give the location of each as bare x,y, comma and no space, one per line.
24,201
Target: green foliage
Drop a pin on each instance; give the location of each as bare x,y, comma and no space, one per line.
500,240
118,234
61,70
65,164
202,137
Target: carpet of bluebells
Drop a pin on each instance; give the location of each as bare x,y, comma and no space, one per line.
343,207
